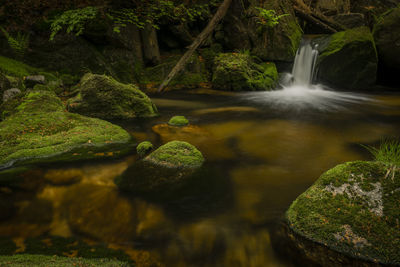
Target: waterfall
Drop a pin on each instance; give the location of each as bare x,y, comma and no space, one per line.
304,66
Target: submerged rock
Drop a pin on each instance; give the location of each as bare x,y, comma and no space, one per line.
387,38
178,121
167,168
238,72
103,97
38,129
354,209
348,59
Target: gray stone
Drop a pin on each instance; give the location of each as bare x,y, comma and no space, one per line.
31,81
10,94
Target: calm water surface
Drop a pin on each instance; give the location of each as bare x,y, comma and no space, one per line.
262,151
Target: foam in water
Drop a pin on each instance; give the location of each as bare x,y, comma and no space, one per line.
298,90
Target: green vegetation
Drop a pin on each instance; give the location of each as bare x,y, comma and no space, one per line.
176,154
352,209
238,71
18,43
268,18
144,148
39,130
178,121
103,97
73,20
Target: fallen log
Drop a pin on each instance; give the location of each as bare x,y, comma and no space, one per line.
219,15
315,19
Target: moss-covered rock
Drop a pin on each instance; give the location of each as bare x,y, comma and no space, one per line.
38,129
387,38
348,59
103,97
178,121
165,170
354,209
144,148
238,72
4,84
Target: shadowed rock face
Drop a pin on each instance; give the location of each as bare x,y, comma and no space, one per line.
353,209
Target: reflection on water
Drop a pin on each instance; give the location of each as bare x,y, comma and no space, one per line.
259,159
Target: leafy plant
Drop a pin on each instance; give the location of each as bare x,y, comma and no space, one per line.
74,21
268,18
388,153
19,43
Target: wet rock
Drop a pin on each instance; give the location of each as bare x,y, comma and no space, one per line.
178,121
103,97
352,209
238,72
348,59
167,168
46,133
387,38
10,94
144,148
350,20
31,81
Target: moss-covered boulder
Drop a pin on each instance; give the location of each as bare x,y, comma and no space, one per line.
239,72
38,129
144,148
166,169
387,39
178,121
103,97
354,209
348,59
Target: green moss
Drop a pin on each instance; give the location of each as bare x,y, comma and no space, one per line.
354,209
40,260
69,80
178,121
238,71
176,154
103,97
41,130
144,148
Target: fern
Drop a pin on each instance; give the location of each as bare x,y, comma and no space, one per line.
268,18
73,21
19,43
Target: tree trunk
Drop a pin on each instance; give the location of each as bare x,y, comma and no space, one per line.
151,51
219,15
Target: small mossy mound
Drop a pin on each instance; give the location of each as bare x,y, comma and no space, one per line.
348,59
144,148
103,97
163,172
239,72
38,129
178,121
354,209
47,261
176,154
387,38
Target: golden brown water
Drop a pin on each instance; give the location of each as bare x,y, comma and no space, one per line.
259,159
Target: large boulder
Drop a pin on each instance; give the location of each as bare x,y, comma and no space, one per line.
103,97
38,129
348,59
166,169
353,209
239,72
387,39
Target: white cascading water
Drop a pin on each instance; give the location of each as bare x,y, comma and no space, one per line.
298,90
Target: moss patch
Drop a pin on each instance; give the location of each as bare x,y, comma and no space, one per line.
143,148
176,154
103,97
47,261
40,130
178,121
238,71
353,208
